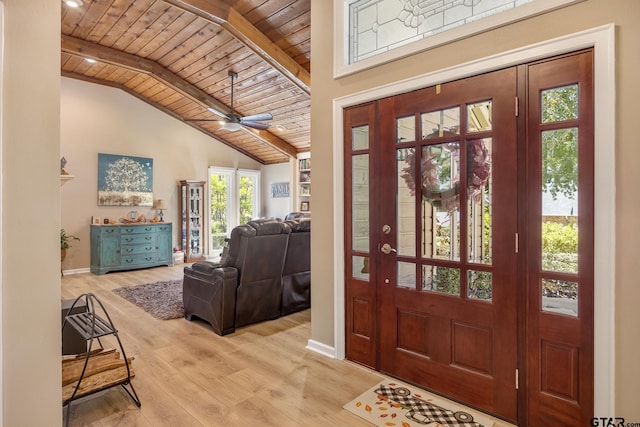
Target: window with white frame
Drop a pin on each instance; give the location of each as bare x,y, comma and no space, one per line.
234,198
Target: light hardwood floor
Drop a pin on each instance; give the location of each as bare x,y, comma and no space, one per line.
186,375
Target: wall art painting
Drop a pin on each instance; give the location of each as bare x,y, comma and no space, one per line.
124,180
280,189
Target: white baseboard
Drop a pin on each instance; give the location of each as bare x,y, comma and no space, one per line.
76,271
321,348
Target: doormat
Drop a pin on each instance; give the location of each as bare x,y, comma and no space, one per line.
391,403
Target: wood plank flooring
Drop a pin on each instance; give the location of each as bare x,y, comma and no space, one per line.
186,375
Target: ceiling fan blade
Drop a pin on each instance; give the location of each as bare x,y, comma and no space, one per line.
255,125
257,118
219,113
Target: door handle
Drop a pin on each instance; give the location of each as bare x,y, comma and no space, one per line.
387,249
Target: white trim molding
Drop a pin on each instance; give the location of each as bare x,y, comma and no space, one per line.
321,348
342,67
602,39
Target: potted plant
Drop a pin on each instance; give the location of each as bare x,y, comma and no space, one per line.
64,243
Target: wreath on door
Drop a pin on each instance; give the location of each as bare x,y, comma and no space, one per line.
448,198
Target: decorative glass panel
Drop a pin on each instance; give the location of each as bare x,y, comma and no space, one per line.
405,129
444,280
406,199
479,285
360,269
560,104
360,138
377,26
479,184
406,275
479,116
560,200
440,174
360,202
441,123
559,296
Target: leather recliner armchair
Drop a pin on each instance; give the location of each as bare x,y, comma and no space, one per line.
296,277
246,286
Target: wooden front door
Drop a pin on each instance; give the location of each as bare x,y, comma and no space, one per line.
448,311
448,282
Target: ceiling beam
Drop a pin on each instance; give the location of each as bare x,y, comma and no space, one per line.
272,140
105,54
231,20
115,57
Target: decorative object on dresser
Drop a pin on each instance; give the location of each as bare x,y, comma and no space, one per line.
120,247
191,217
124,180
160,205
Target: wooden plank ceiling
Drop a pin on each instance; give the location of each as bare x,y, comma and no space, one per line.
176,55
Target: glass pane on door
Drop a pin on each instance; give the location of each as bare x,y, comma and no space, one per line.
360,202
441,123
440,188
479,208
560,200
445,280
406,202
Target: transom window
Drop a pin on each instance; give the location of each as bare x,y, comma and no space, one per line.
371,32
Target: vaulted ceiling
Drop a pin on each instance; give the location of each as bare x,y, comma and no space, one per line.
176,55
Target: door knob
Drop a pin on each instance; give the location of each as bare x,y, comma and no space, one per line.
387,249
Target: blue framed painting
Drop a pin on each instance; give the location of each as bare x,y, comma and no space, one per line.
124,180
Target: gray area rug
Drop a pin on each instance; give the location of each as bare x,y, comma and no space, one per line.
163,300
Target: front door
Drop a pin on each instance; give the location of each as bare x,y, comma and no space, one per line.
469,255
448,303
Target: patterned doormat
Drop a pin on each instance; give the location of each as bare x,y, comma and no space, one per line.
391,403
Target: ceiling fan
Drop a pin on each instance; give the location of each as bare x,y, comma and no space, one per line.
233,121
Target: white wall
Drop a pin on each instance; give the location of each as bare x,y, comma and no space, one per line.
99,119
30,217
277,207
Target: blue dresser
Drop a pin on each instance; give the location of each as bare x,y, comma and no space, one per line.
130,246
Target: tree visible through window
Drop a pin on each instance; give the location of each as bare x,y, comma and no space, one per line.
234,200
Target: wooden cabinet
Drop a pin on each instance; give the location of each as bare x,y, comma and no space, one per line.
192,219
130,246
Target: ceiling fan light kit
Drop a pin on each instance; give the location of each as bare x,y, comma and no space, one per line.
230,126
73,3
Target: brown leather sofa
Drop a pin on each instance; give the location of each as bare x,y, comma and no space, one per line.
257,278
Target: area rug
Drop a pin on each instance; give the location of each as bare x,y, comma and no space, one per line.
163,300
391,403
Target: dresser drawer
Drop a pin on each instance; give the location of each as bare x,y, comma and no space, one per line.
137,249
140,259
132,239
166,228
137,229
108,231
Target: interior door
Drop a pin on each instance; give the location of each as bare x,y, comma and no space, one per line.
448,264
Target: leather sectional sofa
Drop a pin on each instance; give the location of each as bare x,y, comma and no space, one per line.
264,273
